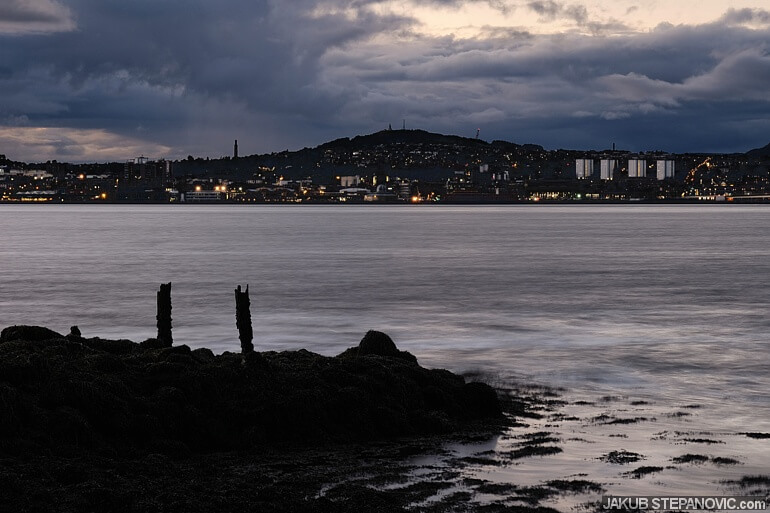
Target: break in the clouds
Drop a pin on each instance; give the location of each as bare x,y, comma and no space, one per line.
34,16
84,80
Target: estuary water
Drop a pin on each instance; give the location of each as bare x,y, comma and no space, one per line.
670,304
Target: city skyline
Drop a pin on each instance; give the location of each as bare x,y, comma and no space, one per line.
90,81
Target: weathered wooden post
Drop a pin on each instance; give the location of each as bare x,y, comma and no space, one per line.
164,315
243,319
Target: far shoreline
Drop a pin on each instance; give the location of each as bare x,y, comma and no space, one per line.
526,203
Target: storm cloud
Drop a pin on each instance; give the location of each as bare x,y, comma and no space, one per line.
183,77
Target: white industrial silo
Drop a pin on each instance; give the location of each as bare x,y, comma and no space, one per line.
637,168
665,169
607,168
584,168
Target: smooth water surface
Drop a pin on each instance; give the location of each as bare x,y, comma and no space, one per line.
628,295
668,303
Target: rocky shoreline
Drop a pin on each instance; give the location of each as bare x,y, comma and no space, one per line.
90,423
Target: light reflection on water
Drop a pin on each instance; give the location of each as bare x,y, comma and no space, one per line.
668,302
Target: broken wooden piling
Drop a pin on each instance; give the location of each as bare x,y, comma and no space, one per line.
243,319
164,315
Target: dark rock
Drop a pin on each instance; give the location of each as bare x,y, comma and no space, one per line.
28,333
111,346
719,460
379,344
481,401
119,397
153,343
255,360
750,481
75,332
690,458
758,436
640,472
204,354
621,457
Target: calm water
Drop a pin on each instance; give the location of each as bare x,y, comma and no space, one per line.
625,296
662,302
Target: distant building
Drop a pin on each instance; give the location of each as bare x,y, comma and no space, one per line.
404,189
201,196
607,168
666,169
350,181
353,194
637,168
235,149
142,169
381,195
584,168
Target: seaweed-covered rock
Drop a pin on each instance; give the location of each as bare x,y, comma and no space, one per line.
28,333
119,397
481,400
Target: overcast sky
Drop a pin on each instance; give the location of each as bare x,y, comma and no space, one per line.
103,80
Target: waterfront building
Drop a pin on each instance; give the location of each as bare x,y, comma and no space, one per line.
201,196
607,168
637,168
350,181
584,168
666,169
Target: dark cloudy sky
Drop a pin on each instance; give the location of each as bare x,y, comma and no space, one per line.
99,80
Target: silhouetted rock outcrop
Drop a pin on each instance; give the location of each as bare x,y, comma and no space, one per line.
70,395
30,333
377,343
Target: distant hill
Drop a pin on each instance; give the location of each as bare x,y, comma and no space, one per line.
389,137
760,153
390,145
